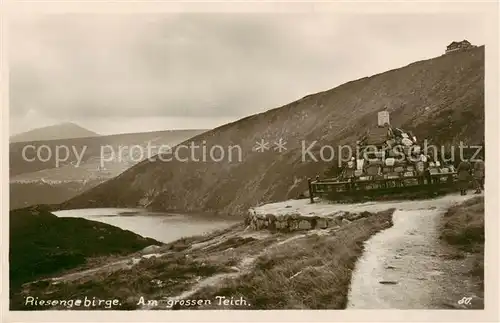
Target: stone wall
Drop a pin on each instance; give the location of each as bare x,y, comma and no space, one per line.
296,222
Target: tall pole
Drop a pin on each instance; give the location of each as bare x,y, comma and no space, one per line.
311,196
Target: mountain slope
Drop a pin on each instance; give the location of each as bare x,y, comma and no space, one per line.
60,131
442,98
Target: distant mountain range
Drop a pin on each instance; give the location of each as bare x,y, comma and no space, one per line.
35,181
65,130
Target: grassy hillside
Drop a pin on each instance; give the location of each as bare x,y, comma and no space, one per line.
463,225
440,98
42,244
462,228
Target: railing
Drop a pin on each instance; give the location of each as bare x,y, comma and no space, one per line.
331,188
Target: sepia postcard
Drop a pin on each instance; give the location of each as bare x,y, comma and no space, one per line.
250,161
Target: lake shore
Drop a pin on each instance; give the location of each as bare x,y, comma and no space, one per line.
164,227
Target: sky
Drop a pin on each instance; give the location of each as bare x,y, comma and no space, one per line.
122,73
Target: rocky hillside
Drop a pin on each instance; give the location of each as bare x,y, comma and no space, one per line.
442,98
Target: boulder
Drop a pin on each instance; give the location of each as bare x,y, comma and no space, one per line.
281,225
272,225
364,214
150,249
305,225
334,214
338,220
293,225
321,223
270,217
345,221
292,216
351,216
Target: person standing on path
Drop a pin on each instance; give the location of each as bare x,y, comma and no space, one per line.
350,169
464,172
478,174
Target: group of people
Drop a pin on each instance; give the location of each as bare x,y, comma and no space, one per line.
468,171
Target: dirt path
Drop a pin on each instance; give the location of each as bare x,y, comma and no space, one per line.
406,267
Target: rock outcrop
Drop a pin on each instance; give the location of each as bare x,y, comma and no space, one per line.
297,222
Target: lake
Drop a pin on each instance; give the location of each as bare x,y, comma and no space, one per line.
164,227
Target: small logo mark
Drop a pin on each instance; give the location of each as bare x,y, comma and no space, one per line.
280,145
465,301
261,146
